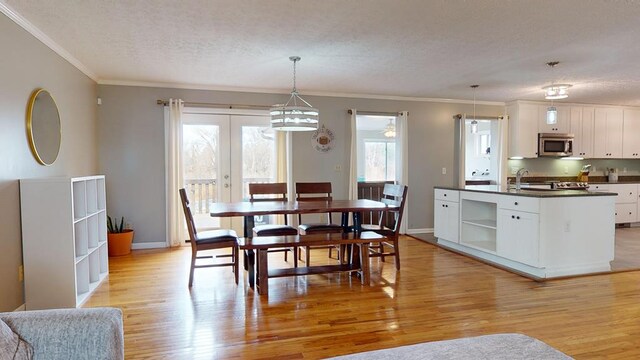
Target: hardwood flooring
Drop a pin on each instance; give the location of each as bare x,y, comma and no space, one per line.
436,295
627,253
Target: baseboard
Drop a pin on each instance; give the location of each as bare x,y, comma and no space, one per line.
148,245
420,231
21,308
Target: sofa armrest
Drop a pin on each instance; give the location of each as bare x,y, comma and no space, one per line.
92,333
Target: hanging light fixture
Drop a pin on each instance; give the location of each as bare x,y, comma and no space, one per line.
390,130
554,92
291,116
474,122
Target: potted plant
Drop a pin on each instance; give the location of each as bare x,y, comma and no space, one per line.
118,237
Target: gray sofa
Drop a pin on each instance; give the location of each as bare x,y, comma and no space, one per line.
93,333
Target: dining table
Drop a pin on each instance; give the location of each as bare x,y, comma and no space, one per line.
248,210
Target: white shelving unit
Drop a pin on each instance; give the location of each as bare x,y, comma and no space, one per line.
64,240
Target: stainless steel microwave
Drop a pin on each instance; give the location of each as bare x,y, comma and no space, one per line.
555,145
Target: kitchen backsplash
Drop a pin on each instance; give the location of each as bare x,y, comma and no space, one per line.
559,167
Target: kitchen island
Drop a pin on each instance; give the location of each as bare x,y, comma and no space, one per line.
539,233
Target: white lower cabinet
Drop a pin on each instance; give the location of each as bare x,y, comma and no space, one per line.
627,204
447,220
518,236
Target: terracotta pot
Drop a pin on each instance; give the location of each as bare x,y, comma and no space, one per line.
120,243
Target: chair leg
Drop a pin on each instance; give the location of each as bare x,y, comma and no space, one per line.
295,256
381,249
307,255
285,255
193,267
236,258
396,250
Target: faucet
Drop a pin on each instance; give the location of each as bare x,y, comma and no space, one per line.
519,174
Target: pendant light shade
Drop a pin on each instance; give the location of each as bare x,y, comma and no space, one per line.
552,115
296,114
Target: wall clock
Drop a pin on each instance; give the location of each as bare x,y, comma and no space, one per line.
322,139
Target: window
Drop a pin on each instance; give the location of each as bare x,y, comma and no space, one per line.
380,160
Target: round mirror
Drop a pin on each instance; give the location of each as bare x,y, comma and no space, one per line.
43,127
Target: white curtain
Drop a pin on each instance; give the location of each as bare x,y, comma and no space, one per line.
173,130
402,157
353,163
281,164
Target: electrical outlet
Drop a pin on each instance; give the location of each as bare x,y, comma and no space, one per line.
128,225
21,273
444,171
566,169
337,168
567,226
514,170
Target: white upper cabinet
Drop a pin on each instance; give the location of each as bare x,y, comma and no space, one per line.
631,134
608,123
581,121
563,124
523,129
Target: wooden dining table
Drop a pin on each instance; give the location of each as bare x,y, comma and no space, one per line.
248,210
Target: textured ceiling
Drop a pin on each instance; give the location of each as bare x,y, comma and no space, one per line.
408,48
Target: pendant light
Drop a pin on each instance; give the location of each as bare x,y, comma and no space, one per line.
474,122
554,92
293,116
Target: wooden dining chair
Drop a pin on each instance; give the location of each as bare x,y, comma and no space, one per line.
393,195
315,191
273,192
208,240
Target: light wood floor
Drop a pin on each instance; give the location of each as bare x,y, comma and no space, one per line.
436,295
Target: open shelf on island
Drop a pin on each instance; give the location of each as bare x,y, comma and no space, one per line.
486,223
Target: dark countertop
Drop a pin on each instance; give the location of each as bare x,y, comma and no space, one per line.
537,193
622,179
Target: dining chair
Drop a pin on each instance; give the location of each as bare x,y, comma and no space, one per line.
315,191
394,195
208,240
273,192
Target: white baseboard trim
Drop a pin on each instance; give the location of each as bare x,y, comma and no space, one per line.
148,245
419,231
21,308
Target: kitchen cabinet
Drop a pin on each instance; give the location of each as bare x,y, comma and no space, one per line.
608,124
581,126
561,126
518,238
631,134
446,215
523,129
626,202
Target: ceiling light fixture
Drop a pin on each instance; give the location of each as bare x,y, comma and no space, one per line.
474,122
554,92
291,116
390,130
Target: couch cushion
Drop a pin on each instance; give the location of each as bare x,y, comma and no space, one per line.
12,346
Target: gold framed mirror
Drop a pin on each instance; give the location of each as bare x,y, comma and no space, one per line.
43,127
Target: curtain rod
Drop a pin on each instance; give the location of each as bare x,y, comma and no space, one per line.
215,105
477,117
382,113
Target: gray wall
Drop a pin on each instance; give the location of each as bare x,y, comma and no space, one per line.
131,127
25,65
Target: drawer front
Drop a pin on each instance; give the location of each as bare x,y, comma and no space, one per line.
448,195
599,187
627,193
519,203
626,213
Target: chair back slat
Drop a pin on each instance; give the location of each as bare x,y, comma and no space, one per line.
191,225
268,192
313,191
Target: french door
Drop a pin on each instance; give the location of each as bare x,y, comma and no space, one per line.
221,155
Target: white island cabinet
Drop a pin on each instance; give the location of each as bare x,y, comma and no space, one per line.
542,234
64,240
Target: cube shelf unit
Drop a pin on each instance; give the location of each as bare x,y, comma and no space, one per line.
479,224
64,240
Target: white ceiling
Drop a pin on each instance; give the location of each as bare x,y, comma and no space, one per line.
408,48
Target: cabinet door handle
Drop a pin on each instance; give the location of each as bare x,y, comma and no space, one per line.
518,217
513,216
515,203
445,194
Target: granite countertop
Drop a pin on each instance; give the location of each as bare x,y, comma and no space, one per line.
537,193
595,179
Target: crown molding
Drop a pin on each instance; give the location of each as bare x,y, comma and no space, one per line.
38,34
306,93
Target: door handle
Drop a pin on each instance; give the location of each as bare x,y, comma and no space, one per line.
226,185
226,176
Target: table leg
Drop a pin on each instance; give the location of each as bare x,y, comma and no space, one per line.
364,264
357,222
344,222
250,266
263,272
